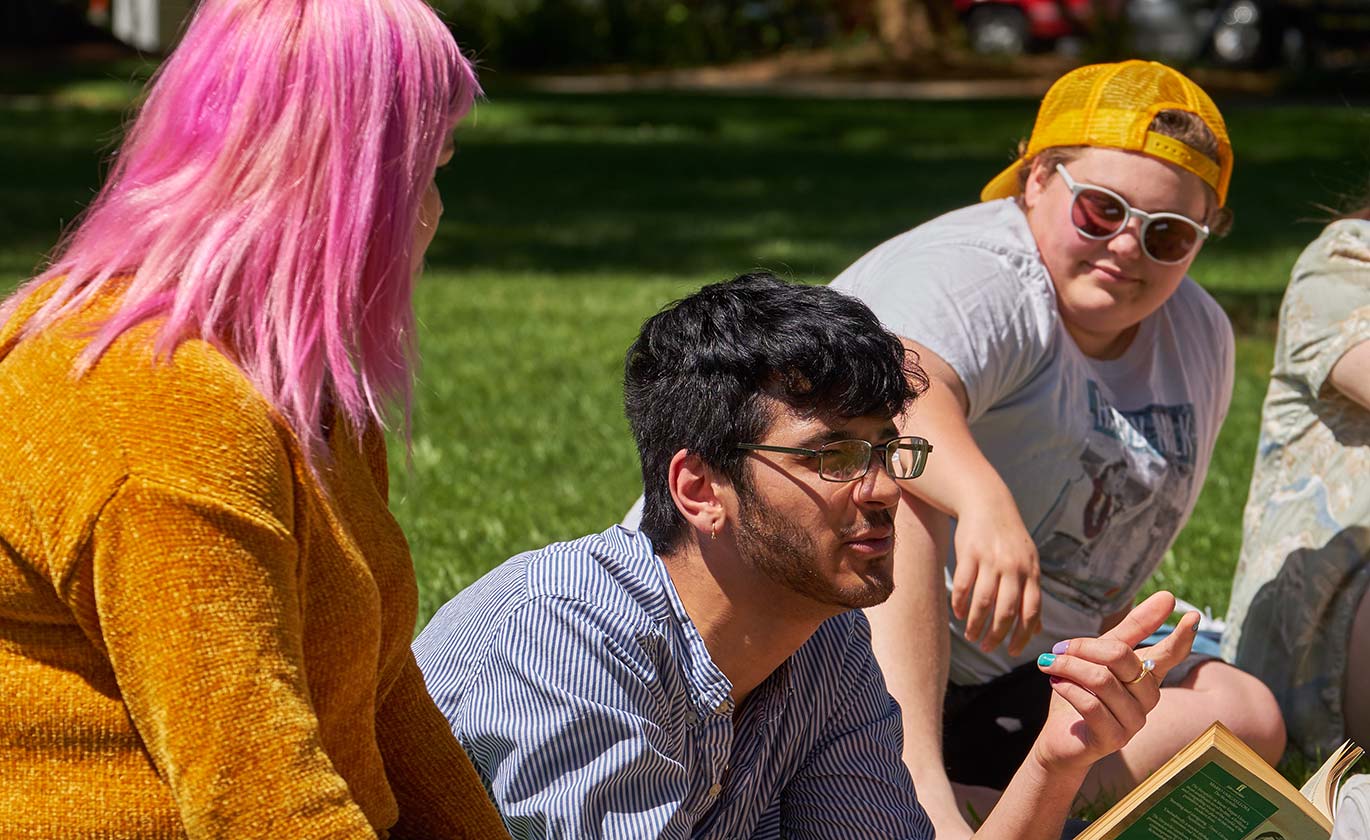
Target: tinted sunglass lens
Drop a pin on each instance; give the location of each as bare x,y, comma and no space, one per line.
1169,240
1097,213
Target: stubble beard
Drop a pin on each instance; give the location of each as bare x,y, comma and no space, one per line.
788,556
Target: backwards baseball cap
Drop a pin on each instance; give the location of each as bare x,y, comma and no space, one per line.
1112,106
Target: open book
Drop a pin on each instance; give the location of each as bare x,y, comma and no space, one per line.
1218,788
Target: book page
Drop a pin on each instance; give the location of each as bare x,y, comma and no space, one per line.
1321,788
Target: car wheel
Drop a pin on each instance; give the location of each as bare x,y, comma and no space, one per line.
997,30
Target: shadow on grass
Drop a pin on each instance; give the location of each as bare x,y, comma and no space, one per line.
682,184
698,185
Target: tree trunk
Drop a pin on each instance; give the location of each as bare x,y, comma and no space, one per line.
912,28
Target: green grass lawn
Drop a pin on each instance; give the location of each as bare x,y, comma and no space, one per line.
570,218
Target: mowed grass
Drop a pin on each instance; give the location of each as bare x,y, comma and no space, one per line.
571,218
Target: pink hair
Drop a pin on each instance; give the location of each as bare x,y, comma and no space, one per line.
265,200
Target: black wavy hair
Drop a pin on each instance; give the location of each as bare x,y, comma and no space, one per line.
707,372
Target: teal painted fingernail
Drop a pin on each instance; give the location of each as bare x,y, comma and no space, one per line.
1045,660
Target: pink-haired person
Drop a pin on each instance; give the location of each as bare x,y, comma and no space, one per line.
205,604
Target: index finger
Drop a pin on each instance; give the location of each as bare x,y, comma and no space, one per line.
1173,649
962,581
1144,619
1030,619
1005,613
982,603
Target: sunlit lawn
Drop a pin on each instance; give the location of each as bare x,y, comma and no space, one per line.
572,217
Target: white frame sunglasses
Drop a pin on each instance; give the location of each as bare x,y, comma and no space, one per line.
1148,219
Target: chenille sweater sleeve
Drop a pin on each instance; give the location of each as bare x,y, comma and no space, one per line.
197,604
438,790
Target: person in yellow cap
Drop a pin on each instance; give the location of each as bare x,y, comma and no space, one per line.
1079,381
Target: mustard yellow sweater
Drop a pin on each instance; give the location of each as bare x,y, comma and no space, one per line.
195,639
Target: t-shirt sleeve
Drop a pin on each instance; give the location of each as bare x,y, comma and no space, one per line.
1210,353
1227,364
1326,309
562,718
1214,346
854,783
987,312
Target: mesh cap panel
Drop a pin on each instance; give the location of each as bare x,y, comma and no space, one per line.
1111,106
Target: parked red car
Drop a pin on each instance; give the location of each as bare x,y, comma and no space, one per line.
1015,26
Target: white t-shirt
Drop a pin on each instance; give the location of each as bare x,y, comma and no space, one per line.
1105,459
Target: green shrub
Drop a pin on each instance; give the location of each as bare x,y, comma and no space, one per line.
562,34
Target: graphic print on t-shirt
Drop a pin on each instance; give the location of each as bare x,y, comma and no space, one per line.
1110,522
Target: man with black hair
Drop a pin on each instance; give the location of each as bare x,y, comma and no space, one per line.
711,675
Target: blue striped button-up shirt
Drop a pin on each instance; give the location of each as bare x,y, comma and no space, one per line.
591,708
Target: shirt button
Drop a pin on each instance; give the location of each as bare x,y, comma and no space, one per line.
722,708
715,790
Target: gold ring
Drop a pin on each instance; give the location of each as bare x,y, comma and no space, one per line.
1148,665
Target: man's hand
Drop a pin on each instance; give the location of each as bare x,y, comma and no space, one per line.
1098,702
996,585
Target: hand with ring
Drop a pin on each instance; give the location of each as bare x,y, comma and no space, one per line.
1100,691
1148,665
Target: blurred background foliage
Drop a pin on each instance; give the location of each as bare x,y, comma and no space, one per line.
914,37
555,34
1296,39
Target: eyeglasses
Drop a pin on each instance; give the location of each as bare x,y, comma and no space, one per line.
1098,213
848,460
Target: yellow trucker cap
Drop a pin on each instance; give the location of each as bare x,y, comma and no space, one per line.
1112,105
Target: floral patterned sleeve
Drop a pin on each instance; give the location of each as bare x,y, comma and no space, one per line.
1326,309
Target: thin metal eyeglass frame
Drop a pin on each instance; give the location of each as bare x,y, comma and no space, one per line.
917,443
1129,211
